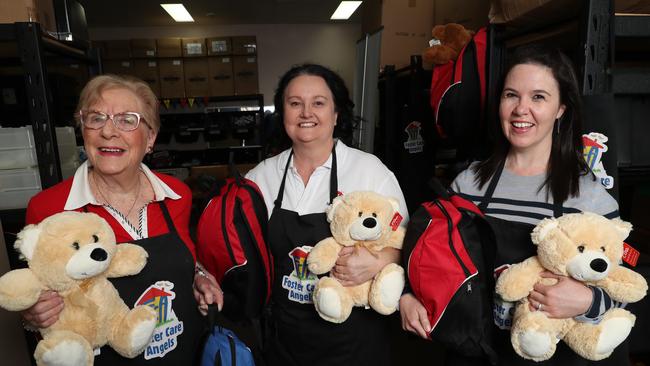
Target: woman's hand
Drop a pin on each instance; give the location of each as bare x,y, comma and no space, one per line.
357,265
414,316
46,310
567,298
207,291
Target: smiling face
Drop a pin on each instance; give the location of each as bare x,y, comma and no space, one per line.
111,151
309,110
530,104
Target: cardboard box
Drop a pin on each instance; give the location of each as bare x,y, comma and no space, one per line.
244,45
169,47
219,46
143,48
471,14
147,70
197,82
193,47
171,78
533,12
119,67
39,11
117,49
221,76
245,72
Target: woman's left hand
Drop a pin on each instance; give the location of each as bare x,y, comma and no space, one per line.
357,265
207,291
567,298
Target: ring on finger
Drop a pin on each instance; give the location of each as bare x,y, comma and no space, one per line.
539,306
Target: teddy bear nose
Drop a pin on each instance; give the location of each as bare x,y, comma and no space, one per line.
598,265
99,255
370,222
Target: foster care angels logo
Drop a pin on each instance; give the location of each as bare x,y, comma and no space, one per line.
415,143
594,148
301,282
160,296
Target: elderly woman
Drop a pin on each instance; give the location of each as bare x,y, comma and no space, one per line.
118,117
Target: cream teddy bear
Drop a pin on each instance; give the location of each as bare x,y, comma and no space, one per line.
359,219
588,248
74,253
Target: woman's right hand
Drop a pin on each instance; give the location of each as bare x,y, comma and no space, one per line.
46,310
414,316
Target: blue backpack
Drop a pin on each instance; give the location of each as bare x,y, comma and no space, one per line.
221,346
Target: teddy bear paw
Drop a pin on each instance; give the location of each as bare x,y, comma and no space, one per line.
142,332
387,289
614,331
534,345
65,353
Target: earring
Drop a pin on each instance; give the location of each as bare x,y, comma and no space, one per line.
557,125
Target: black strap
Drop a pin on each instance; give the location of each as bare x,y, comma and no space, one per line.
167,216
333,180
558,208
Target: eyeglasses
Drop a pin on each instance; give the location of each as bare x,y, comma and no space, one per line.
126,121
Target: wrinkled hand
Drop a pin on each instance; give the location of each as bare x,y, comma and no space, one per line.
207,291
46,310
567,298
356,266
414,316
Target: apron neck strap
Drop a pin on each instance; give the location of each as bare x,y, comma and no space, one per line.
558,209
168,219
333,180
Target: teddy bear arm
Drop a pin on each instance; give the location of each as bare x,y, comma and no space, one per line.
623,284
323,256
129,260
518,280
19,289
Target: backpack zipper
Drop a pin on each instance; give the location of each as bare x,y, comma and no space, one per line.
451,242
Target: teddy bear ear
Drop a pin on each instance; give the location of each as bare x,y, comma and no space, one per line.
394,203
623,227
330,210
543,228
27,239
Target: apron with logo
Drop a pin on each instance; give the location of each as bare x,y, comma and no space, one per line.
165,284
514,245
300,336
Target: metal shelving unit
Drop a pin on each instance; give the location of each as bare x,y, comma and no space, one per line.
32,49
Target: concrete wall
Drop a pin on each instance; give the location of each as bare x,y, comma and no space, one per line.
279,45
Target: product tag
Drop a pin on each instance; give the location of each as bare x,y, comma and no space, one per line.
434,42
394,222
630,255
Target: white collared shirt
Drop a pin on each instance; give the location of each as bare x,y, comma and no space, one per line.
81,195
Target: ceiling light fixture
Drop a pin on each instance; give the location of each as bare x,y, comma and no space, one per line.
178,12
345,10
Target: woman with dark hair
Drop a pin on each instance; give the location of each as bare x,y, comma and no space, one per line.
536,170
298,184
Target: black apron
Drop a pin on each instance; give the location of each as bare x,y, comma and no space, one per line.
179,322
300,336
514,245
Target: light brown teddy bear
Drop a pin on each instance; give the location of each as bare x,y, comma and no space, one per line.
359,219
74,253
448,40
588,248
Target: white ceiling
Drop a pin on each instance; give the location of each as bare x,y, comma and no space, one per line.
138,13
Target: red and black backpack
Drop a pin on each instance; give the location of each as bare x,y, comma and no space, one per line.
231,244
458,92
449,255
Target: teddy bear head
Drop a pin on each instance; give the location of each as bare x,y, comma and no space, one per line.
585,246
66,248
362,216
448,40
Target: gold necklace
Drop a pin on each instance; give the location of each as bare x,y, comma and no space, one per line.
137,194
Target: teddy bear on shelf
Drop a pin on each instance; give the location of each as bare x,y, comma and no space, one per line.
588,248
358,219
74,253
447,42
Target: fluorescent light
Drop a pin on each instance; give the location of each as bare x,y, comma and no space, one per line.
178,12
345,10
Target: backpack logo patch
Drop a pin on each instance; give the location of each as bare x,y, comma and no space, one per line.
301,282
159,297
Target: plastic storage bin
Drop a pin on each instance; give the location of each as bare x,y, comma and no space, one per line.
17,186
67,144
17,149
